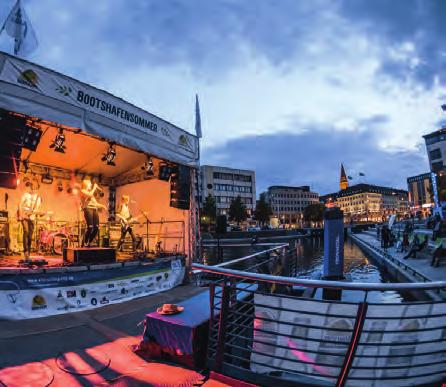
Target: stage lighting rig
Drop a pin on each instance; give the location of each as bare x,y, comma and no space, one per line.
148,166
110,155
59,142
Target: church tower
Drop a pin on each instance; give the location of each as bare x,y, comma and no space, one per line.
343,182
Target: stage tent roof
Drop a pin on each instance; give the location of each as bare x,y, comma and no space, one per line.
83,154
39,92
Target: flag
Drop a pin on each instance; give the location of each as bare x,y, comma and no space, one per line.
18,26
350,178
361,174
197,118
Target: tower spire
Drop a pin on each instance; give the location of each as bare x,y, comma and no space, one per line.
343,182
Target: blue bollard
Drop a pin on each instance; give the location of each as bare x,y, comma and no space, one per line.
333,244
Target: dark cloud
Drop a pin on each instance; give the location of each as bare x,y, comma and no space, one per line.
396,22
314,157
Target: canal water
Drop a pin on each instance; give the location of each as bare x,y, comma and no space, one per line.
357,267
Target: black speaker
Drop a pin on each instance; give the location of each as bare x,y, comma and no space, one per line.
11,134
164,172
180,187
31,137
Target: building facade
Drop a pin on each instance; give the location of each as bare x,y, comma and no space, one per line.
367,202
436,150
225,184
420,192
288,203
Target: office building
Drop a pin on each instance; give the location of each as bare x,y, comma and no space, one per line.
436,150
288,203
367,202
225,184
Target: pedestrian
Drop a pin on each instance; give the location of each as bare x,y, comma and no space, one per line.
405,241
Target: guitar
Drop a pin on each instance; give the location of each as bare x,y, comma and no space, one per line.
127,222
30,214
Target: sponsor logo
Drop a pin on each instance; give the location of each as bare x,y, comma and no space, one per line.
104,300
110,286
64,90
134,281
166,275
59,294
29,78
159,278
122,283
184,142
94,301
71,293
124,291
12,298
38,303
83,293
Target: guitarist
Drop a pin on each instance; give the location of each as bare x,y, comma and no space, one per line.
125,218
29,206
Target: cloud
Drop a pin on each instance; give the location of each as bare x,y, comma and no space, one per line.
370,70
314,158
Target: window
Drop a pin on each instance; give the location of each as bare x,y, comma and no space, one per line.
438,166
435,154
245,178
222,176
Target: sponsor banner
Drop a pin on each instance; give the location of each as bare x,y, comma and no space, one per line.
17,303
88,99
316,344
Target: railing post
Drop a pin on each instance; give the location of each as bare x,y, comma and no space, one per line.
220,350
356,336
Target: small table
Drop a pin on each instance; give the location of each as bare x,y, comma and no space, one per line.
180,338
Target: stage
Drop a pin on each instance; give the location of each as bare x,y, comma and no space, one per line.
83,176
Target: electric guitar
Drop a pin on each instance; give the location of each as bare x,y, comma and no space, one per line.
127,222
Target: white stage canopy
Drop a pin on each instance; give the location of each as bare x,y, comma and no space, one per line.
36,91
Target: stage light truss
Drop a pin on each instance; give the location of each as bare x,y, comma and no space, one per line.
110,155
58,143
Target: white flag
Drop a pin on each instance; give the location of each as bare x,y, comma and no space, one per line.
197,118
18,26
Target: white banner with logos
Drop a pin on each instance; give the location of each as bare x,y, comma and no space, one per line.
44,93
316,344
16,304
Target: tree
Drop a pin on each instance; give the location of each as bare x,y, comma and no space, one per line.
209,209
263,210
237,210
314,212
208,212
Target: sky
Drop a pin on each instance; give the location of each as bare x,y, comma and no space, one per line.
289,88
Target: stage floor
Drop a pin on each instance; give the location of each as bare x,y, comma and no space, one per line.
13,261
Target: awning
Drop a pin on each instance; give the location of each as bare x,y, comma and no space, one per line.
39,92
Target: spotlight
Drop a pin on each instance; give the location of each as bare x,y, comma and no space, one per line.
59,186
148,166
110,155
47,178
27,182
58,142
69,189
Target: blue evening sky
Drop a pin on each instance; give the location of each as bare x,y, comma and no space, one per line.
290,88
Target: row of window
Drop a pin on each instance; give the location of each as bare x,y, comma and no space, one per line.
435,139
295,196
294,202
229,199
435,154
230,176
288,209
232,188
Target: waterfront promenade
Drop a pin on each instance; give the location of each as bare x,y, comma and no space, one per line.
95,346
413,268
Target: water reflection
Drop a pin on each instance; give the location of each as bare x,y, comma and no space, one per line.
357,266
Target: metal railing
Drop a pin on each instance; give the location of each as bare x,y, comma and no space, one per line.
265,329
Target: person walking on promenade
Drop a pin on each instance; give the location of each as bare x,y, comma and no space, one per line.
405,241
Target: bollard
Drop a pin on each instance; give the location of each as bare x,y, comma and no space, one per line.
333,244
333,250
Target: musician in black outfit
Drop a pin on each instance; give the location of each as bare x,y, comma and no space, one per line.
28,209
90,208
125,218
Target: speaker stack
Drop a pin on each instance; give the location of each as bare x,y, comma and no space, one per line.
180,187
15,135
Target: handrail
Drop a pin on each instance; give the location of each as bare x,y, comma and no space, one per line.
241,244
238,260
290,281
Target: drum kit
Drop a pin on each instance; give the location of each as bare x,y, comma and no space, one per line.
52,239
